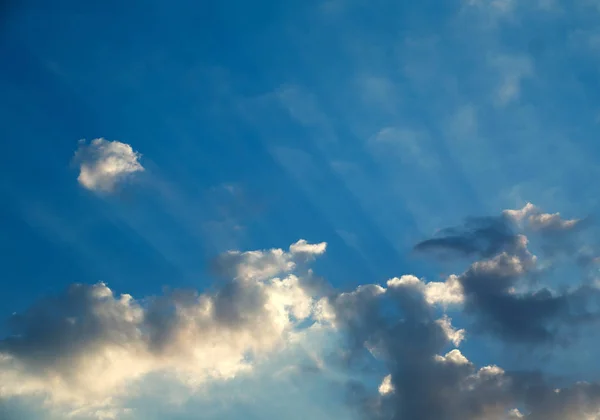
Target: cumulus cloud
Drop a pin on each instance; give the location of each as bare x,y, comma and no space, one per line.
89,348
104,164
88,345
449,292
422,382
533,218
259,265
497,289
304,248
428,382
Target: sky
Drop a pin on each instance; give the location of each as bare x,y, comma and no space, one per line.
368,210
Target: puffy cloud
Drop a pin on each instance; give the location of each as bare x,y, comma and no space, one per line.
88,346
533,218
386,386
488,287
422,384
89,349
449,292
397,326
304,248
104,164
259,265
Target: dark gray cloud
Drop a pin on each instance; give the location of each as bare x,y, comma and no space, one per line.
504,290
490,235
505,296
398,327
578,402
479,236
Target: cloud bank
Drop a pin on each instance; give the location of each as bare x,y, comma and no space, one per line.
392,349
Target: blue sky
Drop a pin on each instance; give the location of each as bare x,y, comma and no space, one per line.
368,126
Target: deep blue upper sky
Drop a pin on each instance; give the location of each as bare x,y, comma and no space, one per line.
365,124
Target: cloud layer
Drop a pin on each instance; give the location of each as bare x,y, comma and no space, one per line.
391,348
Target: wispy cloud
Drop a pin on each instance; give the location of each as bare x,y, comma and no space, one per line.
512,71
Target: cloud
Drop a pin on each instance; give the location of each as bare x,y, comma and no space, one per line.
496,290
88,347
449,292
386,386
303,248
94,354
261,265
422,383
104,164
397,327
533,218
484,236
559,236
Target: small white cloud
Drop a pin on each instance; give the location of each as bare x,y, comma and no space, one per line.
531,217
408,280
490,371
454,336
386,387
449,292
445,293
519,215
103,164
303,247
454,357
263,264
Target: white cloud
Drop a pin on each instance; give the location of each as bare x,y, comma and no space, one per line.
261,265
531,217
519,215
449,292
304,248
386,386
103,164
453,356
96,345
455,336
